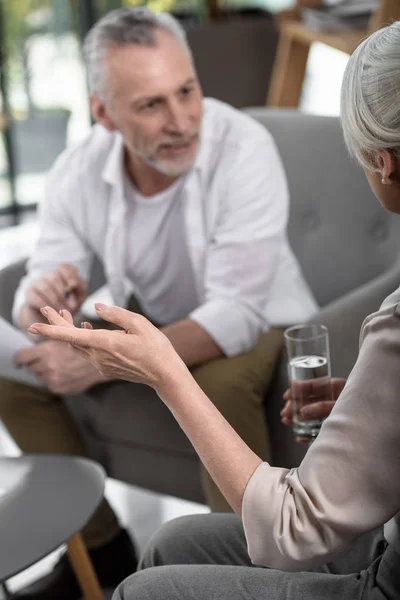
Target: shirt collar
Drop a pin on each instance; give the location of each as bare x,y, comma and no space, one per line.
113,168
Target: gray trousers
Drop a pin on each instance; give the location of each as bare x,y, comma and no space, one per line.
204,557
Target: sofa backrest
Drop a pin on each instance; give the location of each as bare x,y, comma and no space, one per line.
339,232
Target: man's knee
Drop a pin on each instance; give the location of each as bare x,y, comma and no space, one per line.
227,390
248,373
239,397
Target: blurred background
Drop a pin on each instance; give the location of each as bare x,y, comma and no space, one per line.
43,93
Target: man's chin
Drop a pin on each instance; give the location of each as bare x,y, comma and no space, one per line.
177,165
172,169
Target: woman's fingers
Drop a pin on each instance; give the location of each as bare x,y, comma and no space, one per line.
55,318
84,353
337,385
78,337
286,413
317,410
66,315
302,440
287,409
119,316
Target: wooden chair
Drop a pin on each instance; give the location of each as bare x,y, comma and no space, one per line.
294,45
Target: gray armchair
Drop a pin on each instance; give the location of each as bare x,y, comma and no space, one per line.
349,249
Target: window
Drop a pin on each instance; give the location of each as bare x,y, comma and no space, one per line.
44,94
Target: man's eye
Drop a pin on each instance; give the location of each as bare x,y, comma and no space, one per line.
186,91
149,105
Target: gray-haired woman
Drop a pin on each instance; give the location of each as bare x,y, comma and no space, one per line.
331,508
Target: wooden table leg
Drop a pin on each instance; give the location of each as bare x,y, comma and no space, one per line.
288,72
83,568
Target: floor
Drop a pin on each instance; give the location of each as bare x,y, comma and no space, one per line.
143,512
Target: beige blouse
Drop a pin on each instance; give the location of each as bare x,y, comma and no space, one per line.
349,481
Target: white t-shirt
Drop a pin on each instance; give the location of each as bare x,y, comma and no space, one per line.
158,262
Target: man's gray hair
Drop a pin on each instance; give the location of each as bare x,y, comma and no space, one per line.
370,101
122,27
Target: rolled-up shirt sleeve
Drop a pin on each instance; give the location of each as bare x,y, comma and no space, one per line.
348,482
60,240
243,255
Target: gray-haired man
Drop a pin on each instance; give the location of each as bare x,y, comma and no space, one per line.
184,201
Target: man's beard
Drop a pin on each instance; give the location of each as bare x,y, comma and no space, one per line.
164,167
167,169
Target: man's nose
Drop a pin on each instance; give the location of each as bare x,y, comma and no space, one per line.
177,120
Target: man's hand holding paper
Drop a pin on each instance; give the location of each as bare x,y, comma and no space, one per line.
58,368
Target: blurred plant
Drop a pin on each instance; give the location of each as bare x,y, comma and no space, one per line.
25,19
173,6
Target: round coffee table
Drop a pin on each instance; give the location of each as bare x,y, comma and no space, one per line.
45,501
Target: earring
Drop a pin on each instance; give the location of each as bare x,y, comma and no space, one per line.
384,181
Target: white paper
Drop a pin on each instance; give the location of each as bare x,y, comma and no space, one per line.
11,341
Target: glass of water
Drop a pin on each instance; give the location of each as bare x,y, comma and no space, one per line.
309,373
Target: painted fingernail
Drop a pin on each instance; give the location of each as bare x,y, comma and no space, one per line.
99,307
44,311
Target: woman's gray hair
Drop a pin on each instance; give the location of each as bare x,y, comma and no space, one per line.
122,27
370,100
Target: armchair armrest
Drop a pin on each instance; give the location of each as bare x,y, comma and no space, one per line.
10,277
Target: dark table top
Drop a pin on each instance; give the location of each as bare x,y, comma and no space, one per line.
44,500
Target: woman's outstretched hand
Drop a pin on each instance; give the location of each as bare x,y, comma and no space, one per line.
139,352
142,354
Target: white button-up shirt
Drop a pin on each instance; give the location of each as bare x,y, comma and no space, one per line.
236,210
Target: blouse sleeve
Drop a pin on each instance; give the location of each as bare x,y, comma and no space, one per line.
348,483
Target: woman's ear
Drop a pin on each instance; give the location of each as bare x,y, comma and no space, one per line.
388,166
100,113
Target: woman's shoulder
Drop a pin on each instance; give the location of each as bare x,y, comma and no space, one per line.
384,320
392,300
